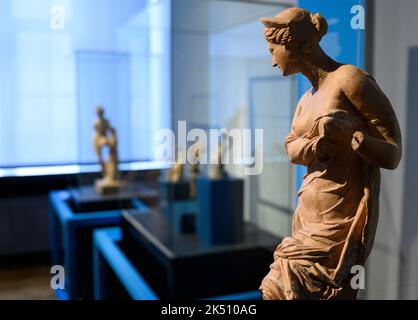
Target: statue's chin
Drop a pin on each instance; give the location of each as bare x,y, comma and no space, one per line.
286,73
283,72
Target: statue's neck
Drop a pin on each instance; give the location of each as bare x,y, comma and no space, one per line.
317,66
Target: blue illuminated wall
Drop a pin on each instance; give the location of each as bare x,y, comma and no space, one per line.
342,42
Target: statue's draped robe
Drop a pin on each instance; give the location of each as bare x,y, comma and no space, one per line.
335,219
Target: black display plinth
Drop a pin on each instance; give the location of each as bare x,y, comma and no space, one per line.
87,199
181,266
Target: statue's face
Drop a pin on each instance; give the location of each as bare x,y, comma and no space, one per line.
100,111
283,58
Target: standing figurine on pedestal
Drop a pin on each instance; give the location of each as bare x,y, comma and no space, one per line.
217,169
105,136
344,129
194,167
175,173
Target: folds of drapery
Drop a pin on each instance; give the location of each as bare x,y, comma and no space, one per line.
316,261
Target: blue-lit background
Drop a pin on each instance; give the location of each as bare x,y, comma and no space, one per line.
113,53
152,63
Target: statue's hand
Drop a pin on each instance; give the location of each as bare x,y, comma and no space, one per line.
338,127
323,149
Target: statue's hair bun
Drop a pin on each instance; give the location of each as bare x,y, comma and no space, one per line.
320,24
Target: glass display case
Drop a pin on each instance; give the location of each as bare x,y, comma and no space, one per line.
222,79
119,57
227,81
122,72
107,144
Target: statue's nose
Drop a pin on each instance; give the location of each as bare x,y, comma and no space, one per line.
273,62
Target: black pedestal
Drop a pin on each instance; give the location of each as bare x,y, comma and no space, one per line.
181,266
87,199
174,191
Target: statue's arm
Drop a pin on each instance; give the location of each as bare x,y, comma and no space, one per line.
382,143
96,126
300,150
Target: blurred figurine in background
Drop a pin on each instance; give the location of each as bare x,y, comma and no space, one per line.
105,137
217,168
344,130
175,174
195,151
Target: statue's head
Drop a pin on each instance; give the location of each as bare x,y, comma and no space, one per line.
100,111
291,35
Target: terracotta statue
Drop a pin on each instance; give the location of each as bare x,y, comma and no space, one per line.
344,129
217,168
194,168
105,136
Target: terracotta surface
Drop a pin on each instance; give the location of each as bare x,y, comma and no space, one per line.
344,129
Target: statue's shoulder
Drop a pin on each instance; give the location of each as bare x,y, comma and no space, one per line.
305,96
351,71
352,78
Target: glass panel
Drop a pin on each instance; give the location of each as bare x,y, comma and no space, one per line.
272,101
222,78
246,92
103,80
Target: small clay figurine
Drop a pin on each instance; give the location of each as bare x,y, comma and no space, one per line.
105,136
344,129
101,127
218,168
176,172
194,168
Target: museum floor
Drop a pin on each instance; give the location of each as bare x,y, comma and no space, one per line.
26,283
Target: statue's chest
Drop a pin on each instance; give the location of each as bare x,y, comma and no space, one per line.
316,106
